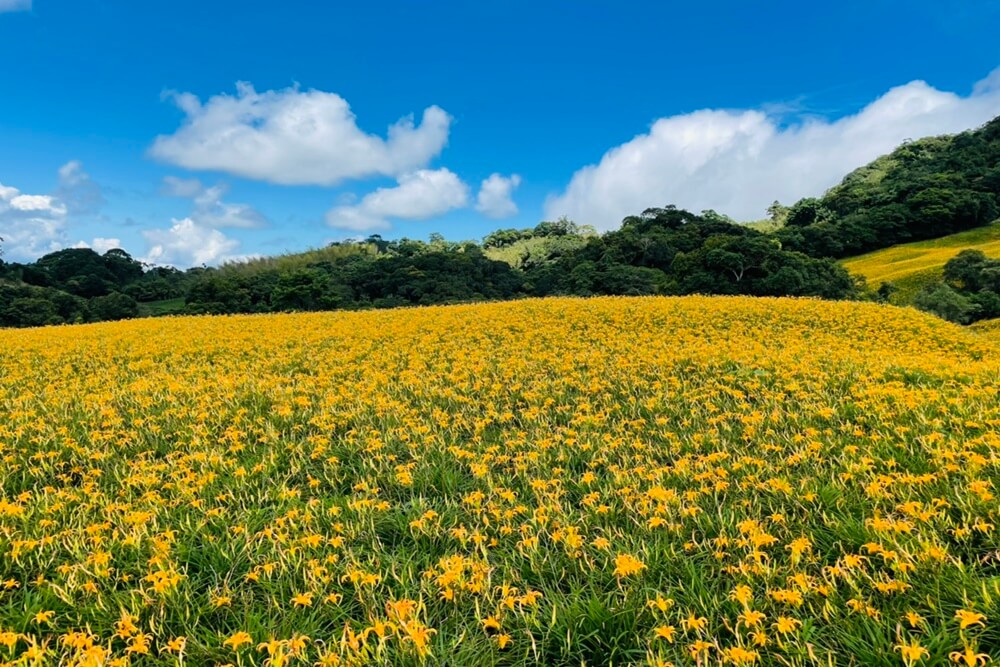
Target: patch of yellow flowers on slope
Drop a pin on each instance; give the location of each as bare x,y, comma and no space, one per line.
693,481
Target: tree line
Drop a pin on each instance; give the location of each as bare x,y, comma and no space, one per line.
662,251
924,189
968,292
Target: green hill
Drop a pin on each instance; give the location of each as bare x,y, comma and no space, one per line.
936,195
911,266
291,261
925,189
533,251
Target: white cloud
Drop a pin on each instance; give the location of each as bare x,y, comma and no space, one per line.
37,203
33,225
355,219
99,245
494,199
738,162
30,225
77,190
419,195
187,243
295,137
187,188
14,5
209,210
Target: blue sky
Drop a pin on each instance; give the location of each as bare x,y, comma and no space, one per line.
193,132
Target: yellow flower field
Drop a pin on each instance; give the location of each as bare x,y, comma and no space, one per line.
987,328
912,266
687,481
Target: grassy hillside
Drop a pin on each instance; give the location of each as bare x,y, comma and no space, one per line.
161,307
912,265
534,251
298,260
989,328
515,253
695,481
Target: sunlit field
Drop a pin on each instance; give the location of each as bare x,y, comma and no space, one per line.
687,481
912,266
988,328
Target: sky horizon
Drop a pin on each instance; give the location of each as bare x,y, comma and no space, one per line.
194,135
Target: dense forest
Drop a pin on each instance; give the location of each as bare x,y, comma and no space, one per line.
662,251
969,292
924,189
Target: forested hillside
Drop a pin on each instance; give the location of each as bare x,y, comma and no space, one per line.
925,189
662,251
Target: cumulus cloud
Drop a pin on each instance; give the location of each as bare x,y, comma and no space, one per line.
494,198
738,162
418,195
209,210
187,188
14,5
99,244
295,137
187,243
30,225
77,190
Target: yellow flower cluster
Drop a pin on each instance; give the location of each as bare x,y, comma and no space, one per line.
692,481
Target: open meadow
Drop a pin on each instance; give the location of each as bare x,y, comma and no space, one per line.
912,266
687,481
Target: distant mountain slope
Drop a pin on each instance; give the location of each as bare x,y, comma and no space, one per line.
924,189
911,266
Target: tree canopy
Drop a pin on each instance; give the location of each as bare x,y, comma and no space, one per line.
924,189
